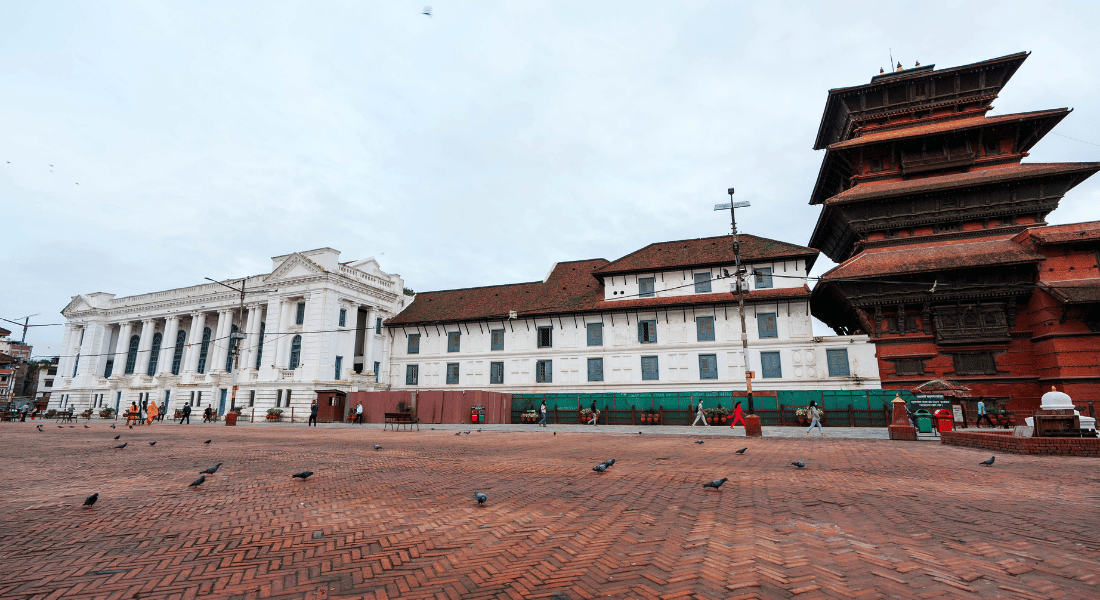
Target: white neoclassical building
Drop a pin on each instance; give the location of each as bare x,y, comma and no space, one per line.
312,323
659,319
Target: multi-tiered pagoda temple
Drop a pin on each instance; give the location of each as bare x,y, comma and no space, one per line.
940,231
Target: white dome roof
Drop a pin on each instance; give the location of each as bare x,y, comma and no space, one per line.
1056,400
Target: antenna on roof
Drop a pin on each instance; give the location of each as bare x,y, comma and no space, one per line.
891,59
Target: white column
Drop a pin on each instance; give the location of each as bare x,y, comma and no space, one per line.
283,346
194,344
218,344
368,341
168,345
122,347
271,337
65,365
141,367
349,343
251,344
89,341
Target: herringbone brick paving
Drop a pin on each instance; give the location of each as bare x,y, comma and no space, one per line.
866,518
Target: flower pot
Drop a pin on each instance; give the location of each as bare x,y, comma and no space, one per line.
230,418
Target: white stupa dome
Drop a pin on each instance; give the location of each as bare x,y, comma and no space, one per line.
1054,400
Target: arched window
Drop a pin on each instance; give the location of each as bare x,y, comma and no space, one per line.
131,356
260,345
177,356
232,348
295,351
154,354
204,349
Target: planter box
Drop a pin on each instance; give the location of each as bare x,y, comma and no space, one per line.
230,418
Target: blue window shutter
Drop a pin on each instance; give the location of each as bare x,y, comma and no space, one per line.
595,369
763,277
154,354
544,371
295,352
452,373
708,366
411,374
131,356
496,339
454,342
343,316
647,332
649,368
704,329
177,355
702,283
645,287
414,343
496,372
770,366
339,361
595,334
766,325
838,362
300,318
378,325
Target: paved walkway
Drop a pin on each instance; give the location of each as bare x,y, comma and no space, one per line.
865,519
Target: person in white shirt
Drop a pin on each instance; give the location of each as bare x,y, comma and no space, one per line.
700,416
359,413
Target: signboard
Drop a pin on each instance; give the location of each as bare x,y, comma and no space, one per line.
750,374
929,402
729,205
958,411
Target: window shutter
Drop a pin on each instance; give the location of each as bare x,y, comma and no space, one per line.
708,366
838,362
649,368
300,318
414,343
763,277
595,369
770,365
343,316
704,329
496,339
766,325
702,283
595,334
454,341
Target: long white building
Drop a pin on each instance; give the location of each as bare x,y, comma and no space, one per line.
312,323
660,319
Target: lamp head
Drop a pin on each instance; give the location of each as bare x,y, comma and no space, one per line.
730,191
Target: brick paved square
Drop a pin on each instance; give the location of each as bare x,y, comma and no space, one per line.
865,519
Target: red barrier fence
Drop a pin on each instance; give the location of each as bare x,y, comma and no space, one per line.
434,406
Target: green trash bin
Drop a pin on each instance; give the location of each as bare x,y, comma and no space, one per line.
923,420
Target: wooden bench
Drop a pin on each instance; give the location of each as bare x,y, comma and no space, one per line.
65,416
400,419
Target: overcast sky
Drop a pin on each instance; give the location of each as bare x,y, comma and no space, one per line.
477,146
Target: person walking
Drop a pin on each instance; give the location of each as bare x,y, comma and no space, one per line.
186,414
982,415
738,415
152,414
312,414
700,415
359,413
815,418
162,411
542,409
595,414
26,409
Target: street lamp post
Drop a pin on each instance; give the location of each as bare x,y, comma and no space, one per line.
739,289
235,338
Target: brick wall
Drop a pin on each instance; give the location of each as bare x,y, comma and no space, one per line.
1004,441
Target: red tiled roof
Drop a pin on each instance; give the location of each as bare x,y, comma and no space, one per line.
703,252
936,256
1076,291
1066,234
886,189
931,128
571,288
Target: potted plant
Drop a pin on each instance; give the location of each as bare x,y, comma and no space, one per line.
50,414
530,417
273,414
404,407
232,415
178,414
585,415
800,414
716,416
106,413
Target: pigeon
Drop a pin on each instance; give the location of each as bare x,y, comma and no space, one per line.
600,468
377,447
555,433
208,441
610,462
466,432
86,427
699,441
198,481
741,451
481,498
112,425
123,445
72,426
717,483
39,428
458,433
212,470
479,431
799,464
303,474
988,463
118,436
60,427
153,443
131,426
90,500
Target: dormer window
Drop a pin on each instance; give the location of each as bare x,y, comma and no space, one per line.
992,147
875,165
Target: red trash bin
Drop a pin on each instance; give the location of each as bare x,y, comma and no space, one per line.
947,420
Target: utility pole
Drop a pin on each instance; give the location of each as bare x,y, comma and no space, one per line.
739,289
235,338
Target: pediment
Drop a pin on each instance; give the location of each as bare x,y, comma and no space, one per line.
295,266
78,304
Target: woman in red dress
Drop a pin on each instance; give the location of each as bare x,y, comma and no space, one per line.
738,416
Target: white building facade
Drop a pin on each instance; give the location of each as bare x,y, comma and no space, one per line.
661,319
311,323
